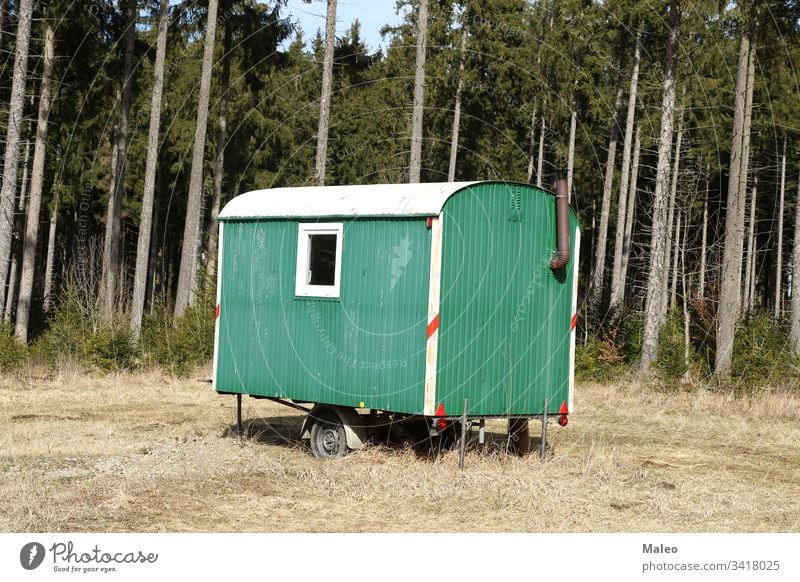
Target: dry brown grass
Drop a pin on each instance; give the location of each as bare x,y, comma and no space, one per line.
147,453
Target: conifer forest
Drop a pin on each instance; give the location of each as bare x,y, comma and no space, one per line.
126,125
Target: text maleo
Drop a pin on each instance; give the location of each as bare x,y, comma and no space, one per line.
659,549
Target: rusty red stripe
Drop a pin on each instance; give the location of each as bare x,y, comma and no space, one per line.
574,322
433,326
216,312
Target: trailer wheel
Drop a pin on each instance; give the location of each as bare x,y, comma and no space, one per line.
519,441
328,438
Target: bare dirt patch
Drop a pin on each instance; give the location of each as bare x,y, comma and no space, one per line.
146,452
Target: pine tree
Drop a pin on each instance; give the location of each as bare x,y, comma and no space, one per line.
730,277
146,219
779,243
219,164
325,99
415,159
654,305
451,169
187,278
794,331
37,182
11,156
120,144
617,277
598,273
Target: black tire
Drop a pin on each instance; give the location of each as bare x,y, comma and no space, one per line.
519,438
328,438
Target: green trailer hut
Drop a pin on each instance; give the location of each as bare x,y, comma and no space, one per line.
371,304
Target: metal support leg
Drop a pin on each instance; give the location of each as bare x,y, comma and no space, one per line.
239,427
482,431
463,444
544,432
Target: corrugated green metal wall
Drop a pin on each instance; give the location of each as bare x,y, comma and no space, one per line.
505,318
369,346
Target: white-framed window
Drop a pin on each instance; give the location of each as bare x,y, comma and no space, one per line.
319,259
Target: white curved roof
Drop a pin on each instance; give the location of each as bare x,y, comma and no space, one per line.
366,200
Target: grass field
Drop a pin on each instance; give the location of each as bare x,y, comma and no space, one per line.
145,452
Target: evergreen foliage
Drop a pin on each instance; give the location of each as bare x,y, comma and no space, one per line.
762,355
599,360
545,57
670,363
180,347
12,353
78,337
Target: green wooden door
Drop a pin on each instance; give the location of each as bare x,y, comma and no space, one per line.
505,316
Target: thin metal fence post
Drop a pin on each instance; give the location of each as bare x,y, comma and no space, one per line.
463,445
239,427
544,433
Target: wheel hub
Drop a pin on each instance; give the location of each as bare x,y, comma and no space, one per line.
330,440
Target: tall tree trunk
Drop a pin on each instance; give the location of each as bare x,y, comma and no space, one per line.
151,261
598,271
531,146
187,277
49,264
794,330
415,159
2,21
325,98
654,304
540,157
673,301
592,241
451,170
730,276
779,259
753,273
23,188
747,300
146,218
12,291
629,214
748,119
219,165
573,125
114,215
671,219
684,301
37,181
592,245
701,287
11,155
617,279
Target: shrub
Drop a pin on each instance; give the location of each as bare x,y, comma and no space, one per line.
670,362
111,347
629,337
62,342
704,331
599,360
762,354
12,353
181,347
77,336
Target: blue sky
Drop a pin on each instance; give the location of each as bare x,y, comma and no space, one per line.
372,14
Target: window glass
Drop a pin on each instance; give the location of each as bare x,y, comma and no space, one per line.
322,259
